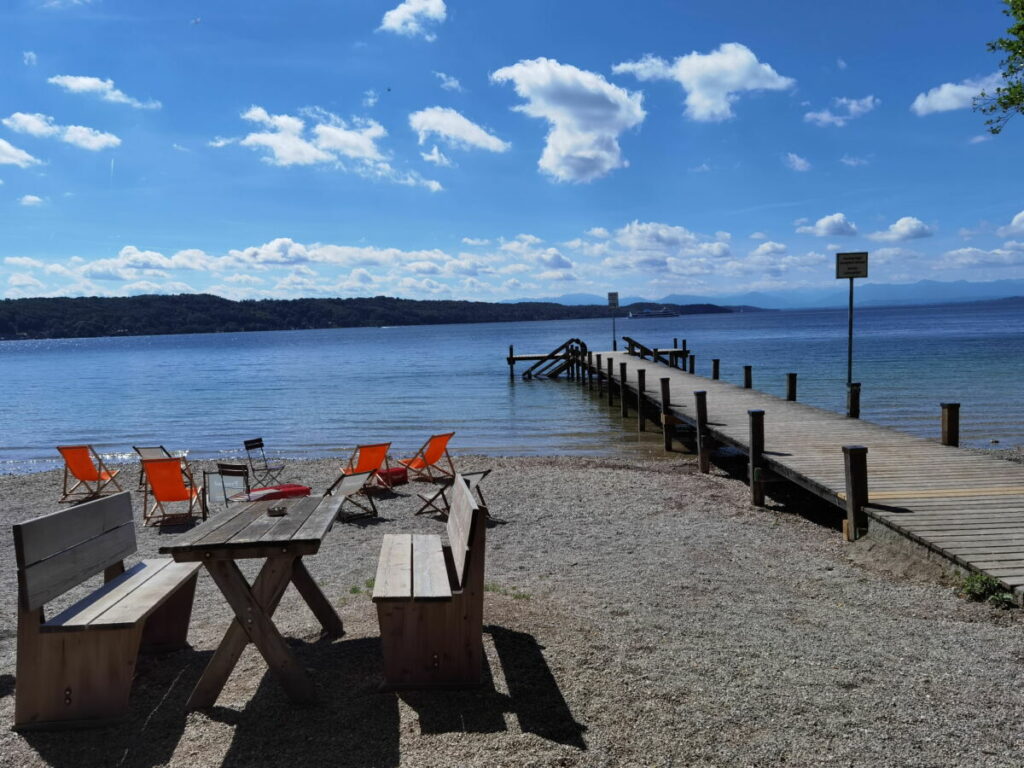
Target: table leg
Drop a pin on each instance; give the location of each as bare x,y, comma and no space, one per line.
264,596
315,599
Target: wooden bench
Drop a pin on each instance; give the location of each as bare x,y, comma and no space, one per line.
76,669
430,600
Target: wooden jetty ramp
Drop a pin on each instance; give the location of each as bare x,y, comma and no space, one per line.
963,506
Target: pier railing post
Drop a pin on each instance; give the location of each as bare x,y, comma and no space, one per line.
748,376
791,387
693,363
597,372
675,343
590,371
855,458
715,368
951,424
666,428
703,449
611,369
622,391
511,364
756,457
641,382
853,400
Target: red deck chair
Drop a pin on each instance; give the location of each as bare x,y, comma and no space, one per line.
425,464
166,483
366,460
91,475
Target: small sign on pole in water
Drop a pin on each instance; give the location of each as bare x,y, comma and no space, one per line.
852,264
613,299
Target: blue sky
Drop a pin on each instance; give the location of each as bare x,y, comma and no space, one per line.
493,150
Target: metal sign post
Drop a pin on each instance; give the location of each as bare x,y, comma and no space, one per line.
851,266
613,304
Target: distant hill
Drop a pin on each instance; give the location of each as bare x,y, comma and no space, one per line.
203,313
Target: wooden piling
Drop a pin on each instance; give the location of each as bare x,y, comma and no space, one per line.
951,424
675,343
511,364
715,368
748,376
703,448
641,382
855,458
791,387
623,402
597,372
693,363
611,393
666,427
756,457
853,400
590,371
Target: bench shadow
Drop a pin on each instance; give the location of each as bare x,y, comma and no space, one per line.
6,686
534,697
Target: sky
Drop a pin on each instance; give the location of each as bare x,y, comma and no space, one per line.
496,150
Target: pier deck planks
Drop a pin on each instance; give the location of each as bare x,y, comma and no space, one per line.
966,507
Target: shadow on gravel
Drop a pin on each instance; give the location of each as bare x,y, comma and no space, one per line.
533,697
6,686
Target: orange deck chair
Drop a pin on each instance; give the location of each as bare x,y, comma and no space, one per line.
425,464
166,483
90,474
366,458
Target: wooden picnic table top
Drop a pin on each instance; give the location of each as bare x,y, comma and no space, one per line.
248,531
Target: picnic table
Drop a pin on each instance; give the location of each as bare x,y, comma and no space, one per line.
282,541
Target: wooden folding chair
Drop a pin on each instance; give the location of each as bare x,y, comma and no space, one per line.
149,452
91,476
438,501
166,484
425,464
349,487
263,471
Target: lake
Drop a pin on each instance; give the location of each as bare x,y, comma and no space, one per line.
321,392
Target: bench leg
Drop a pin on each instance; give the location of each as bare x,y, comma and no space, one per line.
315,599
167,627
73,679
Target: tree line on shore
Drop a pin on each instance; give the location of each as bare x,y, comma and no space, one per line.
49,318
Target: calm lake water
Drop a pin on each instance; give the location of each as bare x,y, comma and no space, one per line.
319,393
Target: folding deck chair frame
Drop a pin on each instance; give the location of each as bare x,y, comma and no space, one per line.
92,479
438,501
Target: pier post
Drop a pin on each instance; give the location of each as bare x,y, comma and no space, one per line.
590,370
666,428
622,391
597,372
748,376
951,424
511,364
715,367
641,382
855,458
756,457
703,449
675,343
853,399
611,394
693,363
791,387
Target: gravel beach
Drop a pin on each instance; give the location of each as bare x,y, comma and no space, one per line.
637,614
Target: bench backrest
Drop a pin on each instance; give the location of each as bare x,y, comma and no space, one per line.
466,526
59,551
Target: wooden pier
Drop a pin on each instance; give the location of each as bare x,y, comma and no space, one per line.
966,507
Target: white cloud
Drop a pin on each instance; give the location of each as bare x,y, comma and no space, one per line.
757,236
1015,227
976,257
413,18
890,255
828,226
846,110
11,155
796,163
29,58
370,98
220,141
980,138
712,81
586,114
768,248
285,143
24,261
453,128
43,126
853,162
906,228
950,96
437,157
103,88
30,200
702,168
600,232
841,63
448,82
663,249
21,280
475,241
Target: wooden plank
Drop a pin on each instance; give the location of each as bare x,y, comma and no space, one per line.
189,538
460,518
394,568
429,573
79,615
320,521
150,595
51,534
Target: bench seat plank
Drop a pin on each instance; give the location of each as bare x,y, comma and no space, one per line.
394,568
126,600
429,573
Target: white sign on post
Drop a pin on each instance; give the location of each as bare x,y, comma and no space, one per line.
852,264
613,299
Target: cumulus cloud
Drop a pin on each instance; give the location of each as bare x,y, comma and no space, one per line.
662,248
415,18
437,157
828,226
794,162
448,82
103,88
43,126
586,114
906,228
370,98
11,155
768,248
977,257
30,200
950,96
599,232
853,162
1015,227
29,58
475,241
712,81
21,280
846,110
454,129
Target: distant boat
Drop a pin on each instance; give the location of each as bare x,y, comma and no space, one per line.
645,313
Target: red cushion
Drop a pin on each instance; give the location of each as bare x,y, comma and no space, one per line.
271,492
394,476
